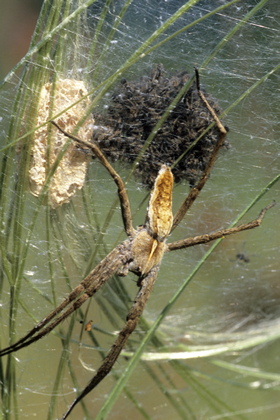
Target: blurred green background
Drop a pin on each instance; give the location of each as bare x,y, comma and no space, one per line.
17,22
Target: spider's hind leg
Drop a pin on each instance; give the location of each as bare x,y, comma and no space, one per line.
132,319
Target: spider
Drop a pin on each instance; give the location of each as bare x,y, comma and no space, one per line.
141,253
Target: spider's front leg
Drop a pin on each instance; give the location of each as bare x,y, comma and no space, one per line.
195,191
124,201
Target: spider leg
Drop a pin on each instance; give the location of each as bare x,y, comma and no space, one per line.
89,286
193,194
203,239
123,197
146,285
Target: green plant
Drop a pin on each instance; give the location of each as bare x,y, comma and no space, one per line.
41,246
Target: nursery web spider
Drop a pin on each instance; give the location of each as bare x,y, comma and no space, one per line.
141,253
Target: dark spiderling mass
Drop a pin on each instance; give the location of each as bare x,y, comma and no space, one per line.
135,109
